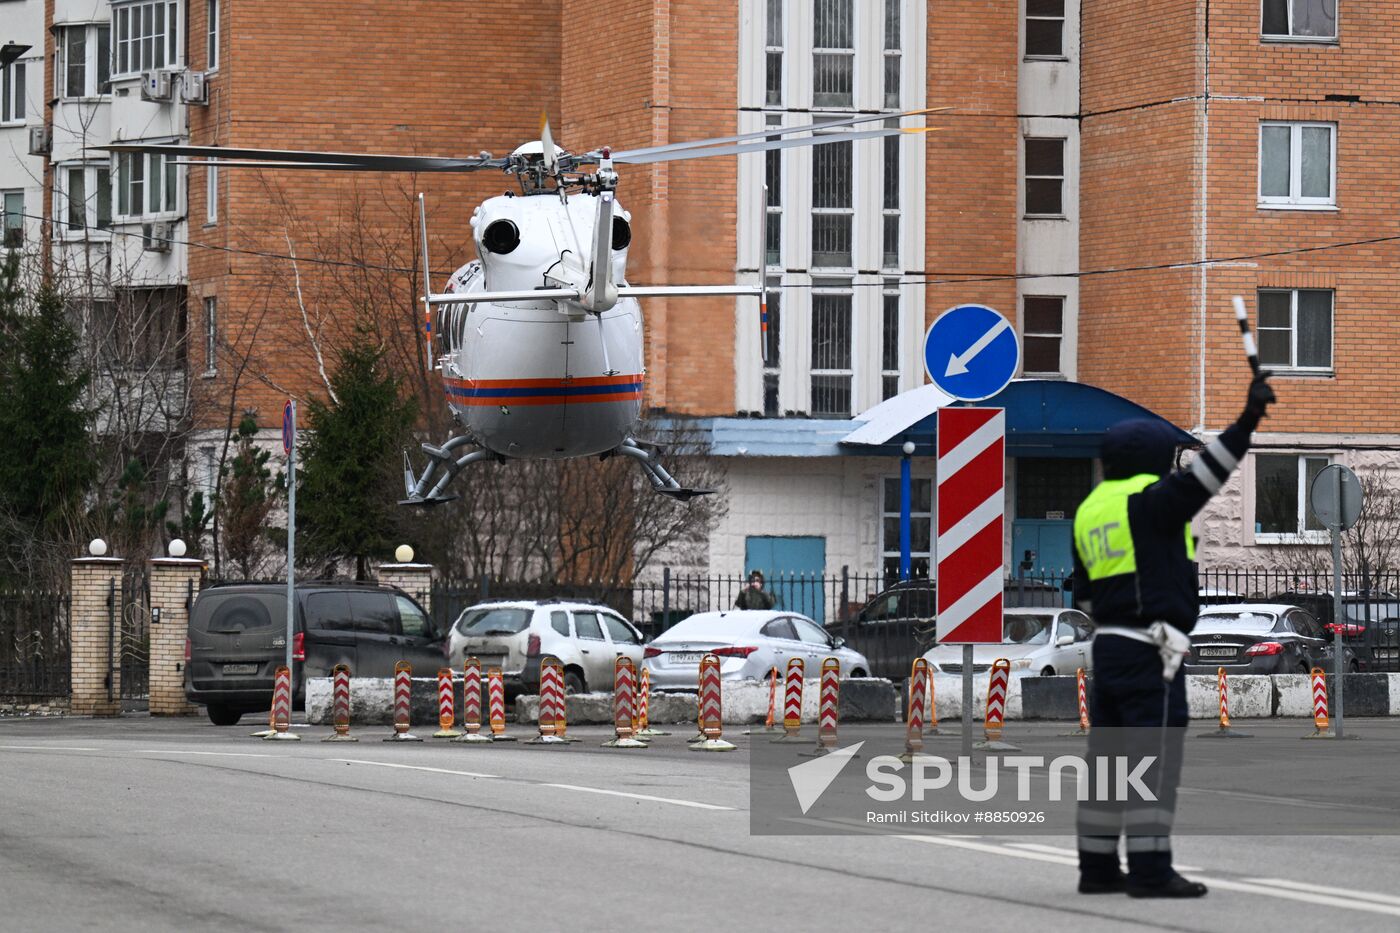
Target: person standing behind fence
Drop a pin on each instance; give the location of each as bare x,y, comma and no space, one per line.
753,596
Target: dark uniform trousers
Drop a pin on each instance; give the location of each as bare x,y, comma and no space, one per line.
1129,705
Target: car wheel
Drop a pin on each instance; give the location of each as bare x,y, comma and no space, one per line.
224,715
573,682
859,673
1303,668
1048,672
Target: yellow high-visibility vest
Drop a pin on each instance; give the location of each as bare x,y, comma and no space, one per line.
1101,533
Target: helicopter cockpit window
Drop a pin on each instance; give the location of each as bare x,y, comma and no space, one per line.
502,237
621,233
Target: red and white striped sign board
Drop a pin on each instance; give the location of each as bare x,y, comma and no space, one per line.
971,509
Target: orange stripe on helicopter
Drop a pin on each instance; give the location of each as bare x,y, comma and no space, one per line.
473,392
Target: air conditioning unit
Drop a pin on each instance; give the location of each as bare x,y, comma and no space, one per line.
155,85
194,88
155,237
39,140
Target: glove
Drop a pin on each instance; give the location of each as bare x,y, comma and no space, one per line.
1261,396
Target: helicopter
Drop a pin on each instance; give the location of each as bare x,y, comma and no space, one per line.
539,341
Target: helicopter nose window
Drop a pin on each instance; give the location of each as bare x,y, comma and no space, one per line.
502,237
622,233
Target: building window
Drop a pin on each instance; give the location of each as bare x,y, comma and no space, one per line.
920,526
889,208
83,201
209,467
13,228
1295,328
12,93
1300,19
1042,330
773,182
773,49
833,53
832,205
1281,484
1045,177
147,184
889,340
212,18
1051,488
83,61
1045,28
893,56
1297,164
211,335
148,328
773,365
831,348
211,194
148,36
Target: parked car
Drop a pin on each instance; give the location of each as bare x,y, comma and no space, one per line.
1260,638
1370,624
1036,641
238,637
514,635
897,624
749,644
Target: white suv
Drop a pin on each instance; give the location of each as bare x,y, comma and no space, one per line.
513,635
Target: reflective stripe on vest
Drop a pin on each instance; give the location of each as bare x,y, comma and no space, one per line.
1101,533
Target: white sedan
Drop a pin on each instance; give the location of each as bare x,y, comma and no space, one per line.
749,643
1035,641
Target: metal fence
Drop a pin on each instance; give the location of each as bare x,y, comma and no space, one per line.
34,645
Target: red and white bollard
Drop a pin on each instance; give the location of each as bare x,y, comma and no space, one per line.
1224,732
914,725
792,702
1080,686
993,721
282,707
403,704
496,705
828,707
447,714
1322,723
471,704
644,729
340,705
711,709
551,703
624,702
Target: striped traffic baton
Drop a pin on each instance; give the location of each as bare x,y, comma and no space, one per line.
282,707
994,721
792,702
447,714
644,729
711,714
403,704
1225,731
551,703
471,704
914,718
340,705
624,693
496,705
1322,723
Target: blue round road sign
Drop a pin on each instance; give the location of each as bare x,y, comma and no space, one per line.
971,352
289,427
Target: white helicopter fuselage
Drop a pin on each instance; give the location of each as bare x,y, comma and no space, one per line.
541,379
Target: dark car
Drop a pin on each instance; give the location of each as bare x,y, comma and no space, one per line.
897,624
1370,624
238,638
1260,638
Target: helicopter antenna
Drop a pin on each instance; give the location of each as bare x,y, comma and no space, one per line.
427,275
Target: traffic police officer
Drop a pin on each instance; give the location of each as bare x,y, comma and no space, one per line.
1135,573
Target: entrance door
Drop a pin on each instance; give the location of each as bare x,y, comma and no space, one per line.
1048,491
792,571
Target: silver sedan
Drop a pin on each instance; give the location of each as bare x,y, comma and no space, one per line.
1035,641
749,644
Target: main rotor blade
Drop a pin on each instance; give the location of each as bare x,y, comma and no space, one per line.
772,131
352,161
551,158
821,140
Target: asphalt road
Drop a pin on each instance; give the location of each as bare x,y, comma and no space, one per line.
143,824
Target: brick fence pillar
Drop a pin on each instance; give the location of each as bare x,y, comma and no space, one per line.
414,579
174,585
95,634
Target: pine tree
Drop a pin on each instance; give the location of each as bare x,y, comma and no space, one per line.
246,498
348,466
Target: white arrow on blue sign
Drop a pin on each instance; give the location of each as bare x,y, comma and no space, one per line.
971,352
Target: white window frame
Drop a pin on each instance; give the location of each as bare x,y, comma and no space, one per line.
92,182
1062,19
209,467
13,80
1291,37
122,200
890,290
893,55
132,53
1293,200
93,88
1303,534
889,549
1026,176
211,335
211,9
1292,365
830,286
211,195
773,46
847,212
833,52
1059,370
5,227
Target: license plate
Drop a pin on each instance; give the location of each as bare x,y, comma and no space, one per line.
1217,652
240,668
685,657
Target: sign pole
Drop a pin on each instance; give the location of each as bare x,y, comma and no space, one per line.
1337,501
906,483
967,702
1338,651
289,445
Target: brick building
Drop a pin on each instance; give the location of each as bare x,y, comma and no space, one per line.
1107,177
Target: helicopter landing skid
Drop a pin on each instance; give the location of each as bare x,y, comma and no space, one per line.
661,481
440,460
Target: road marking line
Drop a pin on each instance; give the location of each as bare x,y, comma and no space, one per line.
1307,898
1324,889
1061,850
619,793
389,764
47,748
178,751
